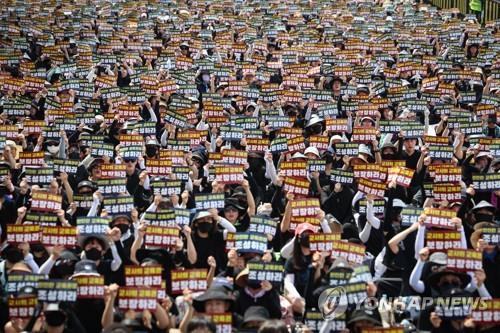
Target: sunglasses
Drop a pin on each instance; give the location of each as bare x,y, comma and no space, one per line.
129,160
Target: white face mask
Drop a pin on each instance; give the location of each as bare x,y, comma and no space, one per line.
53,149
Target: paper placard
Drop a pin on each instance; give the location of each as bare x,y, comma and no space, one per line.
137,298
209,200
323,242
371,187
464,260
161,236
90,287
250,242
59,235
192,279
439,218
264,271
143,276
486,182
442,240
351,252
23,233
53,291
22,307
263,225
489,313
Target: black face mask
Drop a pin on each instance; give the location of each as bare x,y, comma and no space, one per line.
253,284
123,228
387,156
204,227
445,287
74,156
483,217
55,318
304,241
151,151
93,254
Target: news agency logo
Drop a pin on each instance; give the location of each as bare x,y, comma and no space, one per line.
333,302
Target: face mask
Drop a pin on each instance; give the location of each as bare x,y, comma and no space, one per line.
483,217
55,318
151,151
447,286
253,285
93,254
304,241
205,78
387,156
74,156
53,149
204,227
123,228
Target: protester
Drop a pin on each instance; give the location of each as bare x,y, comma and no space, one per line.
251,166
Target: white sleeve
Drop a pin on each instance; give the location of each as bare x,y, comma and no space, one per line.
415,276
163,138
93,209
46,266
483,292
358,196
287,250
117,261
370,216
271,171
463,240
147,184
151,208
419,240
290,286
364,235
189,185
325,226
152,114
226,225
28,260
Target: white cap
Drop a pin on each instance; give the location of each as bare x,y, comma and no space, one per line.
312,150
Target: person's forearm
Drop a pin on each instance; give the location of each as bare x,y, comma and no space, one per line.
370,216
162,319
226,224
419,240
93,209
250,201
117,260
271,172
287,250
29,260
285,223
69,191
393,243
325,226
187,318
136,245
47,266
107,315
364,235
191,250
415,281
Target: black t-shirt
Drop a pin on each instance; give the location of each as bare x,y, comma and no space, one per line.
302,276
215,246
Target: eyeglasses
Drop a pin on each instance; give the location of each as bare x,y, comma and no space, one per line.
129,160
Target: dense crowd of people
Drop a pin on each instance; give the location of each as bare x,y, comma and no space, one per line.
219,166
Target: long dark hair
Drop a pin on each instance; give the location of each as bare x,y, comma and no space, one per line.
298,257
